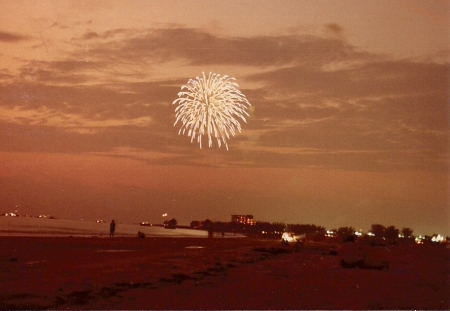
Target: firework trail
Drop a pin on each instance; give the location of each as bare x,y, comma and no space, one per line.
210,106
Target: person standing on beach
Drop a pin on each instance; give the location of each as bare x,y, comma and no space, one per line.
210,232
112,228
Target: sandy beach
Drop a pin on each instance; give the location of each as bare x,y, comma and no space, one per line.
218,273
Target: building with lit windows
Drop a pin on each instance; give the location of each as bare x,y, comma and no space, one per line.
243,219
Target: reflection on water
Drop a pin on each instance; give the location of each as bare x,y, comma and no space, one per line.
29,226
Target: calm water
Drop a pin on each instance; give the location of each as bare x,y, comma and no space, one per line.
28,226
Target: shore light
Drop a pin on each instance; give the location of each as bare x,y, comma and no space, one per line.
438,238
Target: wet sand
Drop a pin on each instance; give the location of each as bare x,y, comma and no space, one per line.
200,273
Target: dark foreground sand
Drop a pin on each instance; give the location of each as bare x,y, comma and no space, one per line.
197,273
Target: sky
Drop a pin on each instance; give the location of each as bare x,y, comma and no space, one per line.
348,124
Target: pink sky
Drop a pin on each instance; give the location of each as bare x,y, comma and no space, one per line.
349,123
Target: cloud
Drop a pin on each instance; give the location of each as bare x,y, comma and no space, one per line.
67,121
131,55
316,101
197,47
5,75
334,28
90,35
9,37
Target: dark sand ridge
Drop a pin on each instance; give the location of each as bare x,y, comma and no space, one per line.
200,273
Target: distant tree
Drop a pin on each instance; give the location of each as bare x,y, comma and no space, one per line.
237,227
220,226
321,229
172,222
195,224
378,230
302,229
345,232
391,232
407,232
278,226
207,223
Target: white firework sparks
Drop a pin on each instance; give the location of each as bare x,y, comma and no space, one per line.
210,106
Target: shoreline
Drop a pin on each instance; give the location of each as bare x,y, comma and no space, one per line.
64,234
29,226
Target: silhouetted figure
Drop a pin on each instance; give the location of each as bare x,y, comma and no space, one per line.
112,228
210,232
223,234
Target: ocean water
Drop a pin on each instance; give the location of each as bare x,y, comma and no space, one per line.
30,226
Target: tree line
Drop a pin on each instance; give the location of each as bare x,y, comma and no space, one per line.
377,233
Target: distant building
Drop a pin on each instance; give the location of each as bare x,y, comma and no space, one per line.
243,219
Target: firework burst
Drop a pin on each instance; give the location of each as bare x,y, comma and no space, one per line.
210,106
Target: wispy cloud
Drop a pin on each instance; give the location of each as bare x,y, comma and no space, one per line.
9,37
68,121
198,47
